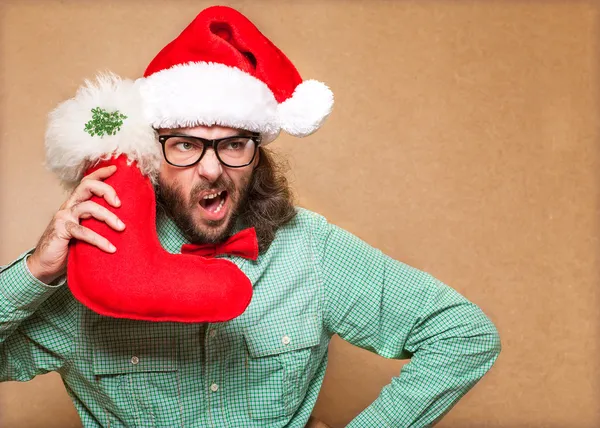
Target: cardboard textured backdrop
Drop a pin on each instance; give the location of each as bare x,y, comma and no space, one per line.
464,141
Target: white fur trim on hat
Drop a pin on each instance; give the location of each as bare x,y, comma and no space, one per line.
70,150
206,93
307,109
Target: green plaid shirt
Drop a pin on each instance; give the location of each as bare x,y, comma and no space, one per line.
264,368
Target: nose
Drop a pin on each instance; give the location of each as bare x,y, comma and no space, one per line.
209,166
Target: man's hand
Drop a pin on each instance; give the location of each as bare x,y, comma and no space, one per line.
315,423
49,260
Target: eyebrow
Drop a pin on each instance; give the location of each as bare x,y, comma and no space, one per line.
246,134
242,133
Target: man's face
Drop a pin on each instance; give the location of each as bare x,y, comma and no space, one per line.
188,192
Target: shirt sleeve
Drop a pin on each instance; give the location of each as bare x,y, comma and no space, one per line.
35,337
388,307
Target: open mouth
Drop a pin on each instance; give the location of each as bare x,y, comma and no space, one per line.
214,202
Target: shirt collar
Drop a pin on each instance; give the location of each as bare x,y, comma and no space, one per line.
169,235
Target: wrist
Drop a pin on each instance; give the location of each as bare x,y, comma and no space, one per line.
39,272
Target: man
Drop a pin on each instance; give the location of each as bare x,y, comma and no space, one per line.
310,281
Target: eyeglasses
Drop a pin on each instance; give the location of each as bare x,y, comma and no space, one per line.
233,152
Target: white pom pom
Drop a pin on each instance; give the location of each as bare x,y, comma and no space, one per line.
307,109
70,149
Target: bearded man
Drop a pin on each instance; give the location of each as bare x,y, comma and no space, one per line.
216,96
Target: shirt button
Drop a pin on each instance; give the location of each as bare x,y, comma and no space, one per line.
135,360
214,387
285,340
213,333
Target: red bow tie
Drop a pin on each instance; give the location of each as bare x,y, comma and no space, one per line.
243,244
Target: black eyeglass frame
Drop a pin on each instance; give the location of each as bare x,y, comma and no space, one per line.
162,139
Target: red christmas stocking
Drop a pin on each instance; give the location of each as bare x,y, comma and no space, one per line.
103,125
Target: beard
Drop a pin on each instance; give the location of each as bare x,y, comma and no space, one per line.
170,198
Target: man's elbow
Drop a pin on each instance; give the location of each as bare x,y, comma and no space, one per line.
494,343
490,341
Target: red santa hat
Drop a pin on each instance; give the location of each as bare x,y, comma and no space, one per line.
221,70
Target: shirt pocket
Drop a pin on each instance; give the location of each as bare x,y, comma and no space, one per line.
138,380
279,365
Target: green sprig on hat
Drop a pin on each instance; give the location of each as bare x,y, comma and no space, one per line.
104,123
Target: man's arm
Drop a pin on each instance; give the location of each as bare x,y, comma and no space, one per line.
387,307
36,332
37,321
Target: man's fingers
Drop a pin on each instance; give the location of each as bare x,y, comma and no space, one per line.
315,423
89,209
94,187
82,233
101,173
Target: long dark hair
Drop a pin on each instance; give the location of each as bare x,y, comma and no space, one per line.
270,201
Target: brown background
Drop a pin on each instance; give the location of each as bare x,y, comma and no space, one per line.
464,141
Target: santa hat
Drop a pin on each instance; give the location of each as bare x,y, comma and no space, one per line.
221,70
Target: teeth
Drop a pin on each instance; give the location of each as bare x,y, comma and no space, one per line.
220,206
214,195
